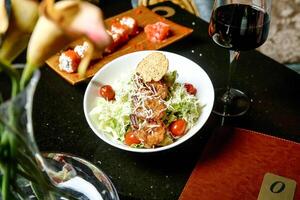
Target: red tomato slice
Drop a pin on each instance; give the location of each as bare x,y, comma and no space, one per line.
178,127
190,88
107,92
130,138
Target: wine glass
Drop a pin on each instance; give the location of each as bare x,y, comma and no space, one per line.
237,25
134,3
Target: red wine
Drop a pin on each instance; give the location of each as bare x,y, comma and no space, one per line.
239,27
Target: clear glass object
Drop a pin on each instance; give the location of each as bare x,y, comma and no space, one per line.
237,25
48,175
134,3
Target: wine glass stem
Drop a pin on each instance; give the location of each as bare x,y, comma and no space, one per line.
234,55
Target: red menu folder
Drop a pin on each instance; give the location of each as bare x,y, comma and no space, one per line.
235,162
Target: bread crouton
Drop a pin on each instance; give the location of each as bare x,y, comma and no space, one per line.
153,67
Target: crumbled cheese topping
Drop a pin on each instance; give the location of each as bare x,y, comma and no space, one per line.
115,36
117,30
127,21
65,63
81,49
142,93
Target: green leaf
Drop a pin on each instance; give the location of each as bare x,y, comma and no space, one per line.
170,78
1,129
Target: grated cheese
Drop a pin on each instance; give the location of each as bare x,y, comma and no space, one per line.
128,21
81,49
65,63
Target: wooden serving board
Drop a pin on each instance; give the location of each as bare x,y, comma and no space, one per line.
143,16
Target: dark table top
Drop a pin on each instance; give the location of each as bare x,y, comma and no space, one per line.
60,125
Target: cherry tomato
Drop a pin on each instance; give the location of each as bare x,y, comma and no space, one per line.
178,127
190,88
130,138
107,92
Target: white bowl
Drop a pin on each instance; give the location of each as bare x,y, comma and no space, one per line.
188,71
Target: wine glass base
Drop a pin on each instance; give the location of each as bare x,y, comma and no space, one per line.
230,103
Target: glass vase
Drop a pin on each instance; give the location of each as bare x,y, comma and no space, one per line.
28,174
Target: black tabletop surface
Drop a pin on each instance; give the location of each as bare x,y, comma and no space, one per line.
60,125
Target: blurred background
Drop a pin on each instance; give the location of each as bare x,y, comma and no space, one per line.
283,44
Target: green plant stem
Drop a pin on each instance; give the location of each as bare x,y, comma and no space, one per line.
24,174
6,167
27,74
5,182
8,140
13,74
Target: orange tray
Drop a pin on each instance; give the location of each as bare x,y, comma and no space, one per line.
139,42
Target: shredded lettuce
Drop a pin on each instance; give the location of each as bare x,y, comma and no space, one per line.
170,78
112,117
182,105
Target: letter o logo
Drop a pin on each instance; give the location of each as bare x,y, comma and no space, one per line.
164,11
277,187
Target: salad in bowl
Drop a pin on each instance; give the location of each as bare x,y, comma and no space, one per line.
142,101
